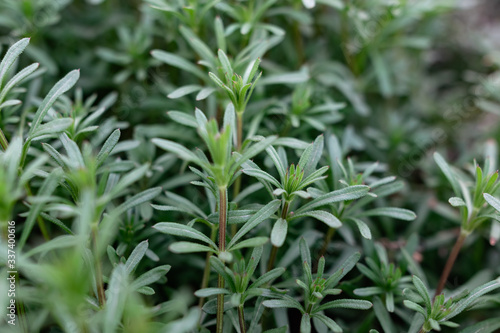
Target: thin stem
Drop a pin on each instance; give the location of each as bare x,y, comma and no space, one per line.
450,262
220,305
3,141
272,258
241,317
206,271
239,140
274,251
326,241
222,248
239,130
98,271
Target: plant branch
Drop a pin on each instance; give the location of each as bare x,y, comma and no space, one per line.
222,248
98,271
241,317
274,251
3,141
326,241
239,140
450,262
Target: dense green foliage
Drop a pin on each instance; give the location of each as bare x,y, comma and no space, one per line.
249,166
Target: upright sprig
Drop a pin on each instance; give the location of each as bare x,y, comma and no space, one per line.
440,311
222,171
239,280
297,182
238,88
388,279
315,288
471,200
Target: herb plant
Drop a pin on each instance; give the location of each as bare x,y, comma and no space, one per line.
249,166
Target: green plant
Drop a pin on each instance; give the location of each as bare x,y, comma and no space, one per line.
315,288
440,311
312,155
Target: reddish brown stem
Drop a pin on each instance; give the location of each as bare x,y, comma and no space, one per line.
222,248
450,262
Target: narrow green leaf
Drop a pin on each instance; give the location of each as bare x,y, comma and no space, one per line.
11,55
179,150
368,291
422,290
204,93
257,173
136,256
116,295
150,277
57,90
330,323
311,156
108,147
183,118
268,277
251,152
362,227
179,62
456,202
278,234
139,198
183,91
282,303
472,297
60,242
394,212
348,193
494,202
16,79
182,230
263,213
51,128
251,242
207,292
305,323
329,219
355,304
225,63
188,247
48,186
415,307
446,169
383,316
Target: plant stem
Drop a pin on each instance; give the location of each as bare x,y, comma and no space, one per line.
222,248
272,258
241,317
239,140
450,262
239,130
206,272
326,241
274,251
3,141
98,271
